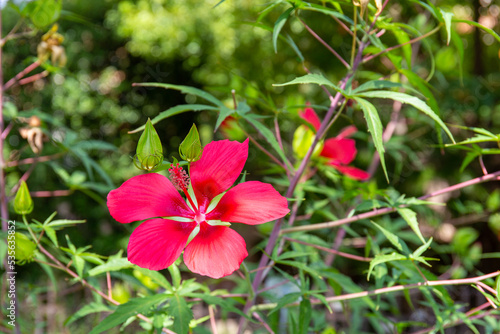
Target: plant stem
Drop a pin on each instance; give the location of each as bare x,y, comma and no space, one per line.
333,251
378,212
433,31
328,47
21,74
349,296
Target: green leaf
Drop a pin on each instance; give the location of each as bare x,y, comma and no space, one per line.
412,100
279,25
376,84
420,250
185,90
226,304
51,233
480,26
393,239
268,135
375,126
156,277
285,300
313,79
497,288
305,312
64,222
182,314
127,310
411,218
177,110
112,265
43,12
447,17
93,307
383,258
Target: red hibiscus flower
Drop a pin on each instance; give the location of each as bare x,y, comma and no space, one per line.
340,151
199,224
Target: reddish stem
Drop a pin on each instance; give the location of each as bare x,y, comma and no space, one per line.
21,74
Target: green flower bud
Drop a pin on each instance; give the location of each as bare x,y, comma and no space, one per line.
190,149
149,154
25,248
23,204
302,140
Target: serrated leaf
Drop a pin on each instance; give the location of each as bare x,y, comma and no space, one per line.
280,22
182,314
392,238
420,250
375,126
413,101
127,310
411,218
93,307
317,79
177,110
383,258
111,265
51,233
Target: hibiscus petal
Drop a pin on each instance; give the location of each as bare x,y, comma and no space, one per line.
157,243
146,196
310,116
352,172
342,150
347,131
216,251
250,203
220,165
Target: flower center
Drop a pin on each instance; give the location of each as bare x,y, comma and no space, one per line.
199,217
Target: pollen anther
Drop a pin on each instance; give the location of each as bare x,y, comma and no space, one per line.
179,177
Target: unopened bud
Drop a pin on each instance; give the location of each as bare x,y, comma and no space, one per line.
190,149
149,154
23,204
25,248
303,138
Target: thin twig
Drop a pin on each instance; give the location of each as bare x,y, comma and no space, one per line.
52,193
33,78
213,325
21,74
35,159
378,212
411,41
262,322
265,151
325,44
329,250
108,281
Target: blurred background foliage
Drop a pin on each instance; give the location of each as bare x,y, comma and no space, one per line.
111,44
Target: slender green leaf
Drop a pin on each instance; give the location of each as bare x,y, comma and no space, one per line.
480,26
127,310
285,300
411,100
411,218
111,265
182,314
185,90
279,25
393,239
156,277
375,127
447,17
93,307
383,258
268,135
305,312
317,79
178,110
376,84
420,250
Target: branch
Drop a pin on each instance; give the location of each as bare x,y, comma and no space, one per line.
378,212
21,74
